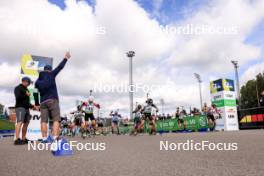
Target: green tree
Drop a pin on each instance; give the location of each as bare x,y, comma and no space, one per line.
251,90
1,109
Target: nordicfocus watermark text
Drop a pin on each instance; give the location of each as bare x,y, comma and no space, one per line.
72,145
199,29
124,87
190,145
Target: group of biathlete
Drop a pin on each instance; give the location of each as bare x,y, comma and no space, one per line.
83,122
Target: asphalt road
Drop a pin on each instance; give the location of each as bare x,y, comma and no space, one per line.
141,156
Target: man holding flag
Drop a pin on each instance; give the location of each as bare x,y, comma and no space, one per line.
49,98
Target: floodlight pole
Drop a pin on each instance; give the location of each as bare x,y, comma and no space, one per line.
198,77
235,63
162,105
130,55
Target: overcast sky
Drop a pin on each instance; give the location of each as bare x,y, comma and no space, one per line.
165,35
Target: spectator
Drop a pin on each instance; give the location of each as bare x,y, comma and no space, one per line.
195,112
22,110
6,113
261,100
177,114
49,98
212,115
205,109
168,116
181,117
158,117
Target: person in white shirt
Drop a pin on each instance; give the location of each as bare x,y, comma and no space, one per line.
115,121
149,116
212,115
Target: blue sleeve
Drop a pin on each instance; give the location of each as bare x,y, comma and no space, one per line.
57,70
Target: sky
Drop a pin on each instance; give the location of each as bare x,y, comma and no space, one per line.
172,39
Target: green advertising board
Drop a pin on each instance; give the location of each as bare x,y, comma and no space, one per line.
224,102
193,123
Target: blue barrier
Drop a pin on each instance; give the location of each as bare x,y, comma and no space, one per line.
6,131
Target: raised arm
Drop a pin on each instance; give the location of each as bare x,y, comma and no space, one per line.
57,70
154,106
143,109
83,105
97,105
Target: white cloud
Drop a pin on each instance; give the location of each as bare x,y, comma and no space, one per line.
10,75
214,52
7,98
41,28
252,72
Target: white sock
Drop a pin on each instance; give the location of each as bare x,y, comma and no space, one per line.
44,138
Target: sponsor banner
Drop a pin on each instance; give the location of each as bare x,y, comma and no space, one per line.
194,123
229,120
231,123
224,97
31,65
228,85
33,131
228,95
220,120
230,109
216,86
222,85
223,103
167,125
202,122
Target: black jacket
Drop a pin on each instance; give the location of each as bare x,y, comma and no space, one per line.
22,100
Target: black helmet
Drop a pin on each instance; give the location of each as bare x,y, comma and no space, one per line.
149,101
26,79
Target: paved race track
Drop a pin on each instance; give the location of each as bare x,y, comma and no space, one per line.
141,156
